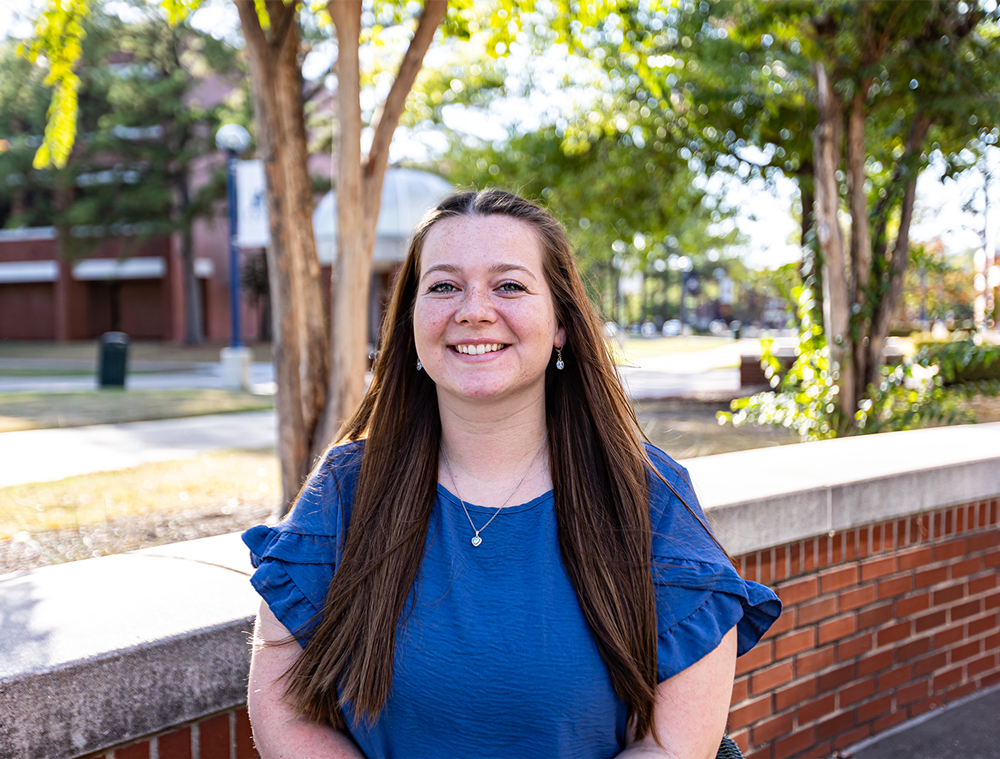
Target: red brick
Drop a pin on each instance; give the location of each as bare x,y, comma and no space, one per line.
852,737
741,689
822,551
912,693
949,594
837,548
785,623
742,739
923,706
981,625
906,607
808,555
875,663
982,584
981,665
836,629
245,748
930,663
877,568
175,745
984,541
780,563
835,725
135,751
945,680
949,550
764,574
757,657
838,579
992,642
773,728
762,753
966,610
749,713
794,694
960,653
990,680
912,649
789,645
928,621
895,677
877,615
949,635
814,710
819,751
856,692
855,599
991,560
854,647
992,601
961,692
967,567
890,720
929,577
808,613
765,680
914,558
796,743
894,633
874,708
806,664
894,586
213,736
836,678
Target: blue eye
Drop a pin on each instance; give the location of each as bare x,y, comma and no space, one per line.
441,287
512,287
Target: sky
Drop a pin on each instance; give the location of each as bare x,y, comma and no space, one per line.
949,209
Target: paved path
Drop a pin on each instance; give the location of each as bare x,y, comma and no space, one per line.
970,730
53,454
46,455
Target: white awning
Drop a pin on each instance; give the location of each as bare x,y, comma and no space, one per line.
151,267
29,271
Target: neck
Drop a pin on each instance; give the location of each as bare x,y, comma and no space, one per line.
489,451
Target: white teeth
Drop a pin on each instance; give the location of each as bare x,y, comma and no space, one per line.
479,350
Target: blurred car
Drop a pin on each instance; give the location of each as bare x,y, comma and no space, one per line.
671,328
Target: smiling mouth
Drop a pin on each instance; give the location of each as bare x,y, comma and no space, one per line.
479,350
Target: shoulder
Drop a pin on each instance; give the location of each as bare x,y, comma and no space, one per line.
323,505
680,526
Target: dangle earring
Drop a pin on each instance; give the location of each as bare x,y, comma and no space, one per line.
419,365
560,364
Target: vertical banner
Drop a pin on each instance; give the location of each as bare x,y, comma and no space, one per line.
253,229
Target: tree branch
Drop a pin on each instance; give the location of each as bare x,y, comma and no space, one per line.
387,119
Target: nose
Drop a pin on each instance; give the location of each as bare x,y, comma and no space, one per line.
476,306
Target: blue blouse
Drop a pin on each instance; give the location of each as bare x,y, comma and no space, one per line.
496,658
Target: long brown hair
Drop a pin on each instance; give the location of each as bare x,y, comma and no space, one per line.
599,473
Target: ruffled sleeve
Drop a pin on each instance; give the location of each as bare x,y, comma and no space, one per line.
295,561
699,595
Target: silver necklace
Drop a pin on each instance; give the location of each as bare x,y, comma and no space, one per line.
476,540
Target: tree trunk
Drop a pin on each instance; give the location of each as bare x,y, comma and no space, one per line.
193,329
299,353
861,239
909,169
359,196
836,310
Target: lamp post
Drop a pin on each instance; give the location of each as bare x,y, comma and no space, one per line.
232,139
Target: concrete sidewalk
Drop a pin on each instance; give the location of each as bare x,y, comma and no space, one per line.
54,454
968,730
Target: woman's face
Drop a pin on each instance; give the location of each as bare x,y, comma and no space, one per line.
484,321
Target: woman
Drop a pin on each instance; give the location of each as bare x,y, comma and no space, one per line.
495,565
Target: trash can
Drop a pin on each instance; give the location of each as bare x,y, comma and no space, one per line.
112,359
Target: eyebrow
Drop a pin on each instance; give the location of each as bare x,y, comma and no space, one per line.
497,268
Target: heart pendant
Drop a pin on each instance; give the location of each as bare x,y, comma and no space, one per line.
476,540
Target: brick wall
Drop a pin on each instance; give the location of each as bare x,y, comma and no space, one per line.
221,736
881,624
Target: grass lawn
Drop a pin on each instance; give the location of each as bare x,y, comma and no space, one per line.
28,411
222,480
